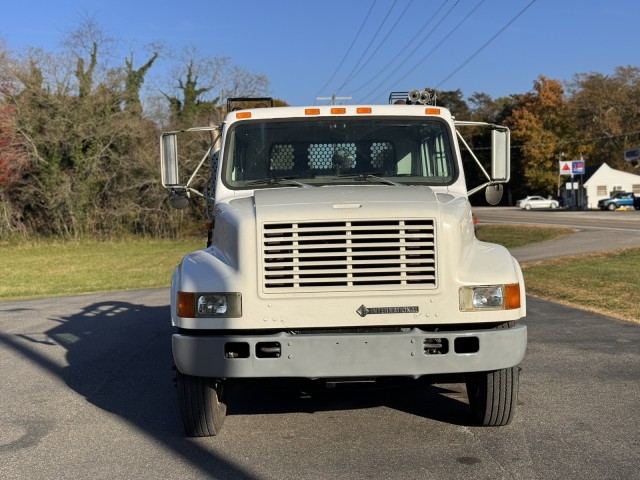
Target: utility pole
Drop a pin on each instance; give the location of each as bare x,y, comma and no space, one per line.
333,98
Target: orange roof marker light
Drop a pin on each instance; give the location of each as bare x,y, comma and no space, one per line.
338,111
432,111
364,110
243,115
312,111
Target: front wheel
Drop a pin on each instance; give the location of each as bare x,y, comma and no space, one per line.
527,207
201,405
493,396
612,206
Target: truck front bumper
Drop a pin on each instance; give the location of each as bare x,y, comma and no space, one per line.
411,353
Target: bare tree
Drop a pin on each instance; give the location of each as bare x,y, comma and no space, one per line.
201,84
242,83
78,156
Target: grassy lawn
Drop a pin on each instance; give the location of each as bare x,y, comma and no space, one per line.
520,235
605,283
46,269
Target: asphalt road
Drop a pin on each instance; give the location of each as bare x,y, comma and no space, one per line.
594,230
87,393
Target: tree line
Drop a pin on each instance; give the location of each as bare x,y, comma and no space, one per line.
79,141
594,117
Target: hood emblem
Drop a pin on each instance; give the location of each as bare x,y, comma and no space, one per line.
364,311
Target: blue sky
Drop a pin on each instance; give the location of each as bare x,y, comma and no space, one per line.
302,46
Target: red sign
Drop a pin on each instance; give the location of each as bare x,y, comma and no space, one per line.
565,168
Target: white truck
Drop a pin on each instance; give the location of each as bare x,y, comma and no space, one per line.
342,249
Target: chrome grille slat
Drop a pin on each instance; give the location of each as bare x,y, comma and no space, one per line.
358,262
279,255
348,255
368,271
347,242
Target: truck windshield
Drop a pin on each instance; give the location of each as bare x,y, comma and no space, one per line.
339,151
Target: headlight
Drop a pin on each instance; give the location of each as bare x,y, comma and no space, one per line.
209,305
490,297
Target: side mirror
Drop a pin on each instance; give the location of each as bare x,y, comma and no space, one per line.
169,159
179,199
178,195
500,155
493,194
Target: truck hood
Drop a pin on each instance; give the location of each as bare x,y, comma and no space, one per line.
352,202
318,240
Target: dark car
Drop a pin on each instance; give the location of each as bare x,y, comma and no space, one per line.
622,199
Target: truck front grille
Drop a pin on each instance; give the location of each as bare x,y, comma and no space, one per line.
348,255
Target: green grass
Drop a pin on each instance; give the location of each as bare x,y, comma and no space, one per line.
48,268
606,283
512,236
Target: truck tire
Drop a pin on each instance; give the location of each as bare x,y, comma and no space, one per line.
612,206
201,405
493,396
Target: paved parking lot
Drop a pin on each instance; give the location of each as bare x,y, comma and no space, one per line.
87,393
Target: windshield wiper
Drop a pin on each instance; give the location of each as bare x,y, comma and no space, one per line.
369,176
278,181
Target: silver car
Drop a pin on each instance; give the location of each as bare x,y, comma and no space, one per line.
537,201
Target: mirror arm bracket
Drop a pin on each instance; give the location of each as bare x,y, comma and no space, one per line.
476,160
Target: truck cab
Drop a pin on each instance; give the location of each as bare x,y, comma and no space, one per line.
342,248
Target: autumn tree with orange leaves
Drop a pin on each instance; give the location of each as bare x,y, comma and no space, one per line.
604,113
540,126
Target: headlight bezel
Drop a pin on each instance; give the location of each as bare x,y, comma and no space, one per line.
481,298
194,304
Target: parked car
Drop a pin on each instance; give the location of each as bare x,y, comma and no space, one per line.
536,201
621,199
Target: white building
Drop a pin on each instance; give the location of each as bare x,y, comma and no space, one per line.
606,181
